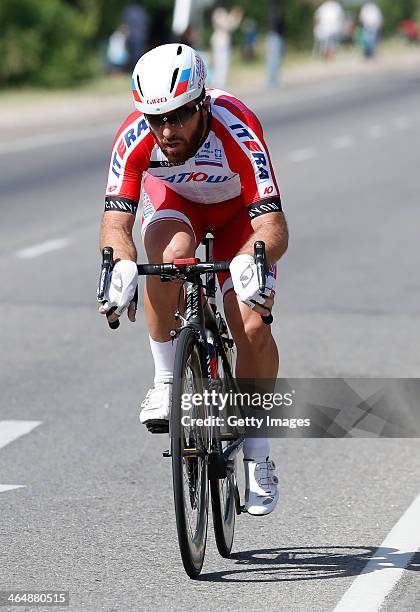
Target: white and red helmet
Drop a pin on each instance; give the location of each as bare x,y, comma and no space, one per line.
166,78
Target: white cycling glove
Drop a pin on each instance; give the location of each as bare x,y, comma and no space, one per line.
122,287
243,271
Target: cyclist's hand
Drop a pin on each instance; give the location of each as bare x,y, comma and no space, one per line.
245,282
121,290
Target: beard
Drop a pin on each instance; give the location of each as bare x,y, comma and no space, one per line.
185,148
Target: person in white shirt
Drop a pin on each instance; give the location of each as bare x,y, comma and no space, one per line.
224,23
329,21
371,20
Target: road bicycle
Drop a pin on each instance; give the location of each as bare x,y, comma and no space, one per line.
203,451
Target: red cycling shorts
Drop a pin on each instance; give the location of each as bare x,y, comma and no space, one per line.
229,220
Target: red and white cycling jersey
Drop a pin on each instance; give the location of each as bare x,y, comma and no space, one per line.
232,161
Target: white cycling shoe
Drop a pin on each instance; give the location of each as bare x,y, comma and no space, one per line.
156,408
261,492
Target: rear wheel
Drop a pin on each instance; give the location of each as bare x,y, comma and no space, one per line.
190,445
224,510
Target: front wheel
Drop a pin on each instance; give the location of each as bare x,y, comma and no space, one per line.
190,445
224,490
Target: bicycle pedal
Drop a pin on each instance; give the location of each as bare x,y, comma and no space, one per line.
166,453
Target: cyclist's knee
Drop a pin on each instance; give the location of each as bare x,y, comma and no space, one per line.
256,332
247,327
169,240
178,249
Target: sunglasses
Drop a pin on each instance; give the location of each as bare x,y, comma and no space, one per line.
176,119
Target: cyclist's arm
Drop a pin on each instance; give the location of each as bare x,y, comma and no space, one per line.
243,138
129,159
272,229
116,231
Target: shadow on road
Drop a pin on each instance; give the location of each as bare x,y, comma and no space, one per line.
311,563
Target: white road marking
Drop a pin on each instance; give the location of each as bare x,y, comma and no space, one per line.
11,430
301,155
4,488
387,565
376,131
343,142
55,138
42,247
401,123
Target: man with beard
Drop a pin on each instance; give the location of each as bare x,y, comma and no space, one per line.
197,160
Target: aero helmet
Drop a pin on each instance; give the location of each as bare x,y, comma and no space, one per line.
166,78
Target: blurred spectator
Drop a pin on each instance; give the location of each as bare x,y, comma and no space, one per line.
371,20
190,37
274,42
328,28
224,23
160,26
250,36
116,51
410,31
348,30
137,21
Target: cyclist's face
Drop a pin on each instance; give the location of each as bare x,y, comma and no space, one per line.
180,135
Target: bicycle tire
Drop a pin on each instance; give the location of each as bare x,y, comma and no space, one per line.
189,474
224,513
223,496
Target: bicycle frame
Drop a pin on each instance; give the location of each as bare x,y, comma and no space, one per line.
201,317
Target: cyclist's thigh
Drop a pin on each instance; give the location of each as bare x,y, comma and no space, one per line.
229,238
167,217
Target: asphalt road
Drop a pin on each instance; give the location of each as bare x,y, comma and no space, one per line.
95,514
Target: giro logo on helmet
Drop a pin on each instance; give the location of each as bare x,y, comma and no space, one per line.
156,100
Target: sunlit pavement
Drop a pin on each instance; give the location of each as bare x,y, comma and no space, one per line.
93,513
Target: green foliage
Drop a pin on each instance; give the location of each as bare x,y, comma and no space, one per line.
110,12
45,42
298,17
394,12
55,43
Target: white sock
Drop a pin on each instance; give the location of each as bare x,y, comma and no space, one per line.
164,358
256,449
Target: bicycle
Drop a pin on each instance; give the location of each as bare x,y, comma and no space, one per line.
203,453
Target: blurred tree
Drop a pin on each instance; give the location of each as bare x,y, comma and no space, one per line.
394,12
45,42
298,18
56,42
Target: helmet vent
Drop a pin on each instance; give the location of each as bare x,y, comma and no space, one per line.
179,51
174,77
138,83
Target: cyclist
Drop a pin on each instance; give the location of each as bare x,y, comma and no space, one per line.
196,159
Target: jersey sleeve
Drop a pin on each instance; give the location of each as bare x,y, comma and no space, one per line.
248,155
129,159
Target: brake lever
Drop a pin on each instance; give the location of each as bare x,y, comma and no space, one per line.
262,271
104,282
